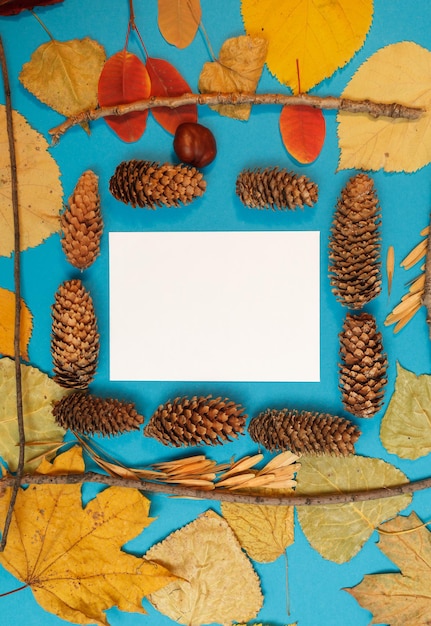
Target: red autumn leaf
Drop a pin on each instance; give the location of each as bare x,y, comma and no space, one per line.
167,81
12,7
124,79
302,131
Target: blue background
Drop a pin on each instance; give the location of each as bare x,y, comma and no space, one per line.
315,585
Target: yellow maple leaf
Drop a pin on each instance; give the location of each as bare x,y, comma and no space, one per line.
218,583
263,531
65,74
400,72
179,20
39,188
319,36
7,324
338,531
238,69
71,557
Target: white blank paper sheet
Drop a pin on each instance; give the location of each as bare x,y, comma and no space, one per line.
214,306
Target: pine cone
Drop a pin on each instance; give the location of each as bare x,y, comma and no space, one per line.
304,432
74,340
82,222
354,246
362,377
197,420
147,184
87,414
275,189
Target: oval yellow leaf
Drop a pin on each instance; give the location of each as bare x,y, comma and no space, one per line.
40,192
400,72
339,531
320,36
7,324
179,21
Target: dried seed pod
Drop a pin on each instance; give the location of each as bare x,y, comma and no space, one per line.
274,188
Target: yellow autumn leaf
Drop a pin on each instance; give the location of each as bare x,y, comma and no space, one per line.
7,324
179,20
65,74
263,531
39,391
218,583
400,72
71,557
320,36
338,531
40,194
238,69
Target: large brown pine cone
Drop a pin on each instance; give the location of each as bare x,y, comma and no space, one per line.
274,188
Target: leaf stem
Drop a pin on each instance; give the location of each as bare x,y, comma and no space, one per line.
35,15
8,593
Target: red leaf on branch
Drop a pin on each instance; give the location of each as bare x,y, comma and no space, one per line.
125,79
13,7
302,131
167,81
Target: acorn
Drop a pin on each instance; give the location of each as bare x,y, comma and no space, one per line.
195,144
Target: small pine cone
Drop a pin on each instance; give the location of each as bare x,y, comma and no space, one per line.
354,245
87,414
196,420
362,374
304,432
275,189
82,222
148,184
74,339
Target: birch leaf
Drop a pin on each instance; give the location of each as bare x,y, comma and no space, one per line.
338,531
400,72
406,425
320,36
238,68
405,597
39,392
40,191
7,324
179,21
217,582
263,531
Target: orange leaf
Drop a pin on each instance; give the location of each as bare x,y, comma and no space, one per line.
303,132
167,81
7,321
125,79
179,21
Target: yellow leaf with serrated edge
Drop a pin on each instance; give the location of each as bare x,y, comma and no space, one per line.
65,74
179,21
238,69
263,531
218,583
39,391
70,556
318,36
7,324
40,195
338,531
401,73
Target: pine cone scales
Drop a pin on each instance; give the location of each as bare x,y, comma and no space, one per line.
304,432
74,339
275,188
82,222
362,376
197,420
88,414
354,246
149,184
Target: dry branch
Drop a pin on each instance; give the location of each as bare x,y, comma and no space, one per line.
375,109
427,287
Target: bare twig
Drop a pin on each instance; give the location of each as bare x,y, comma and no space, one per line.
375,109
427,287
17,286
291,499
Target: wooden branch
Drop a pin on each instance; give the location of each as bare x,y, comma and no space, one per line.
291,499
375,109
426,301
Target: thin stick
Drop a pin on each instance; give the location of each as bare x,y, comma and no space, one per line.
427,288
375,109
17,286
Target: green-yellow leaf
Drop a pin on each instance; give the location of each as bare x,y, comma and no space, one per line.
406,425
7,324
339,531
39,391
400,72
238,69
